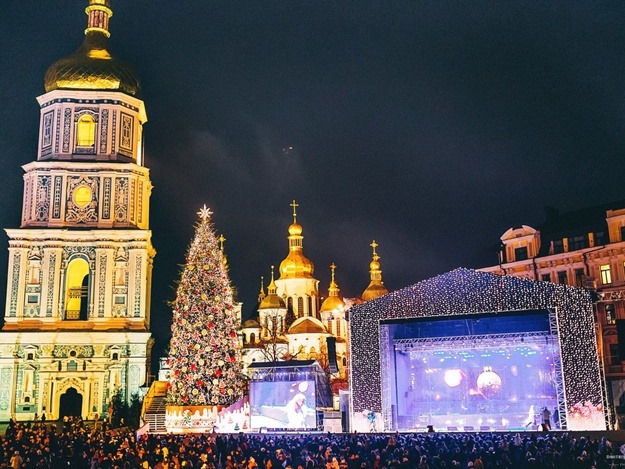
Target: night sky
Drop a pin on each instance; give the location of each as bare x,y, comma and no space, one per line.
431,127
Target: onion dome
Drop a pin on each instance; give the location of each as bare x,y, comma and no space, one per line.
296,265
272,300
92,67
332,302
307,325
376,287
251,324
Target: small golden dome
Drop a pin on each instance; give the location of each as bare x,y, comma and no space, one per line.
374,265
251,324
374,290
295,229
272,301
92,67
332,303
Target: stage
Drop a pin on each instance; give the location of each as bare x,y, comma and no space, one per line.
474,351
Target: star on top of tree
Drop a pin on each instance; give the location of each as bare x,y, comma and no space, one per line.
205,213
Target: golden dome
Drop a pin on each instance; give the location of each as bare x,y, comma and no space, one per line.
296,265
376,287
251,324
374,290
332,303
272,300
92,67
295,229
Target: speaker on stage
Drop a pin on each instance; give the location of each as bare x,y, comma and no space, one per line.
620,331
331,343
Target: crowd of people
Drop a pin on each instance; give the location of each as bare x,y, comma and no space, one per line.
72,444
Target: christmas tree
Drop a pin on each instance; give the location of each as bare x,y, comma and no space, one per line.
204,354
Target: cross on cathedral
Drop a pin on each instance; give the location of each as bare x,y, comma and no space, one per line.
294,205
221,240
374,245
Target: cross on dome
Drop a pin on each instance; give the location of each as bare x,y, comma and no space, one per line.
205,213
374,245
294,205
221,240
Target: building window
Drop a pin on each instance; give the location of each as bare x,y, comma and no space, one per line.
520,254
558,247
610,316
614,358
578,242
606,274
562,277
72,366
77,290
579,277
546,277
85,131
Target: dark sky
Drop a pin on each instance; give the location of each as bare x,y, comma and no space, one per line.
431,127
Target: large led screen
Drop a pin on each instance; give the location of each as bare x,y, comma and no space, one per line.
283,404
487,373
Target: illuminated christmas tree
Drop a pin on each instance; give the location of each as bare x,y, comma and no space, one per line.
204,355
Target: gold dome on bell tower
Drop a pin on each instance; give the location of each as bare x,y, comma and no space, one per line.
296,265
92,67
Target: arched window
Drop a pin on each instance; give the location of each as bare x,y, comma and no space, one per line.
300,307
252,338
311,310
77,290
85,131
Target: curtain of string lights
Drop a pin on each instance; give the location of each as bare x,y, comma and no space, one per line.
465,292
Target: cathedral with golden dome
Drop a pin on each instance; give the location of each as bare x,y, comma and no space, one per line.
293,323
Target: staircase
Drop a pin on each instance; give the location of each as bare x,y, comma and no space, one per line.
153,411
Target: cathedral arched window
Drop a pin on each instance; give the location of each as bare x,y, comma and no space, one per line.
300,307
85,131
77,290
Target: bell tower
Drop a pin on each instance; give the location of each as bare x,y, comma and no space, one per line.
77,311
